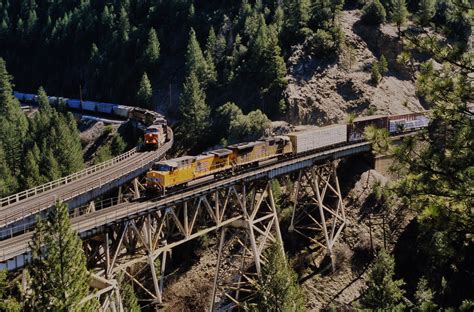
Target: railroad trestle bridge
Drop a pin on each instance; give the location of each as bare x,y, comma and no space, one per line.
134,240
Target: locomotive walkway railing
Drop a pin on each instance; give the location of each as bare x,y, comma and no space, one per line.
64,180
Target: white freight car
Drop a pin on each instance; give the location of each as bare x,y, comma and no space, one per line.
319,137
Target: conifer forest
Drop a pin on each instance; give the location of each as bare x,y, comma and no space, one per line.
185,79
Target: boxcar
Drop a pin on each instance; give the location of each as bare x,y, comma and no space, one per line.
89,106
75,104
407,122
105,108
121,111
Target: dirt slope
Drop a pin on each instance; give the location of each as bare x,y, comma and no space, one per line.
320,93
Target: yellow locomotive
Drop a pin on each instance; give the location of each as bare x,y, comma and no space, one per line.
180,171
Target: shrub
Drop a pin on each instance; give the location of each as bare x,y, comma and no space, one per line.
374,13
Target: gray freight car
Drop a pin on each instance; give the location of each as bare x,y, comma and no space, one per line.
319,137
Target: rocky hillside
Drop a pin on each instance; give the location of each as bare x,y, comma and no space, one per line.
321,92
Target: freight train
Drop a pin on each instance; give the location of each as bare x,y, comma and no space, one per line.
180,172
153,124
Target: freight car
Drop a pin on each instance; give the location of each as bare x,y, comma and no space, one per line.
154,124
183,171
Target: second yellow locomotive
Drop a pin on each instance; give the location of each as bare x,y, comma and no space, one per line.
180,171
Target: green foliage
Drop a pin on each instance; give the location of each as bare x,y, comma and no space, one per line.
424,297
196,63
59,278
7,303
375,73
374,13
130,301
102,154
278,289
152,50
296,20
325,43
145,92
237,127
399,14
118,145
383,293
380,139
37,150
436,177
194,111
426,11
383,65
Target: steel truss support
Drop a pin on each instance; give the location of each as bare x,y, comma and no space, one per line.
139,248
318,211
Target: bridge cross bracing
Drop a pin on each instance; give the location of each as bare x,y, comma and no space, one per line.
110,224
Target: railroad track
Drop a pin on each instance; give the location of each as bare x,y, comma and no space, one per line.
76,192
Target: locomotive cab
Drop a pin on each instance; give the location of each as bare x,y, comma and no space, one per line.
154,136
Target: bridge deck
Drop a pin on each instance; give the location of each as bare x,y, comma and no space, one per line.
14,251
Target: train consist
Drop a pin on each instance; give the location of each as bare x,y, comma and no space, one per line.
179,172
153,124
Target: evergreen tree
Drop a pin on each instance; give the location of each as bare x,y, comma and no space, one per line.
278,289
31,172
194,111
375,73
383,293
145,93
374,13
50,167
424,297
7,303
152,50
399,14
43,101
130,301
195,61
296,19
383,65
435,176
118,145
123,25
210,56
102,154
8,183
67,144
59,277
13,122
426,11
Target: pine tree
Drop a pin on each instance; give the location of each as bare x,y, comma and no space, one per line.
296,19
152,50
43,101
399,14
118,145
210,56
194,111
130,301
278,289
31,172
123,25
426,11
383,65
383,293
67,144
195,61
59,277
424,297
145,92
375,73
374,13
13,122
102,154
50,167
8,183
7,303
